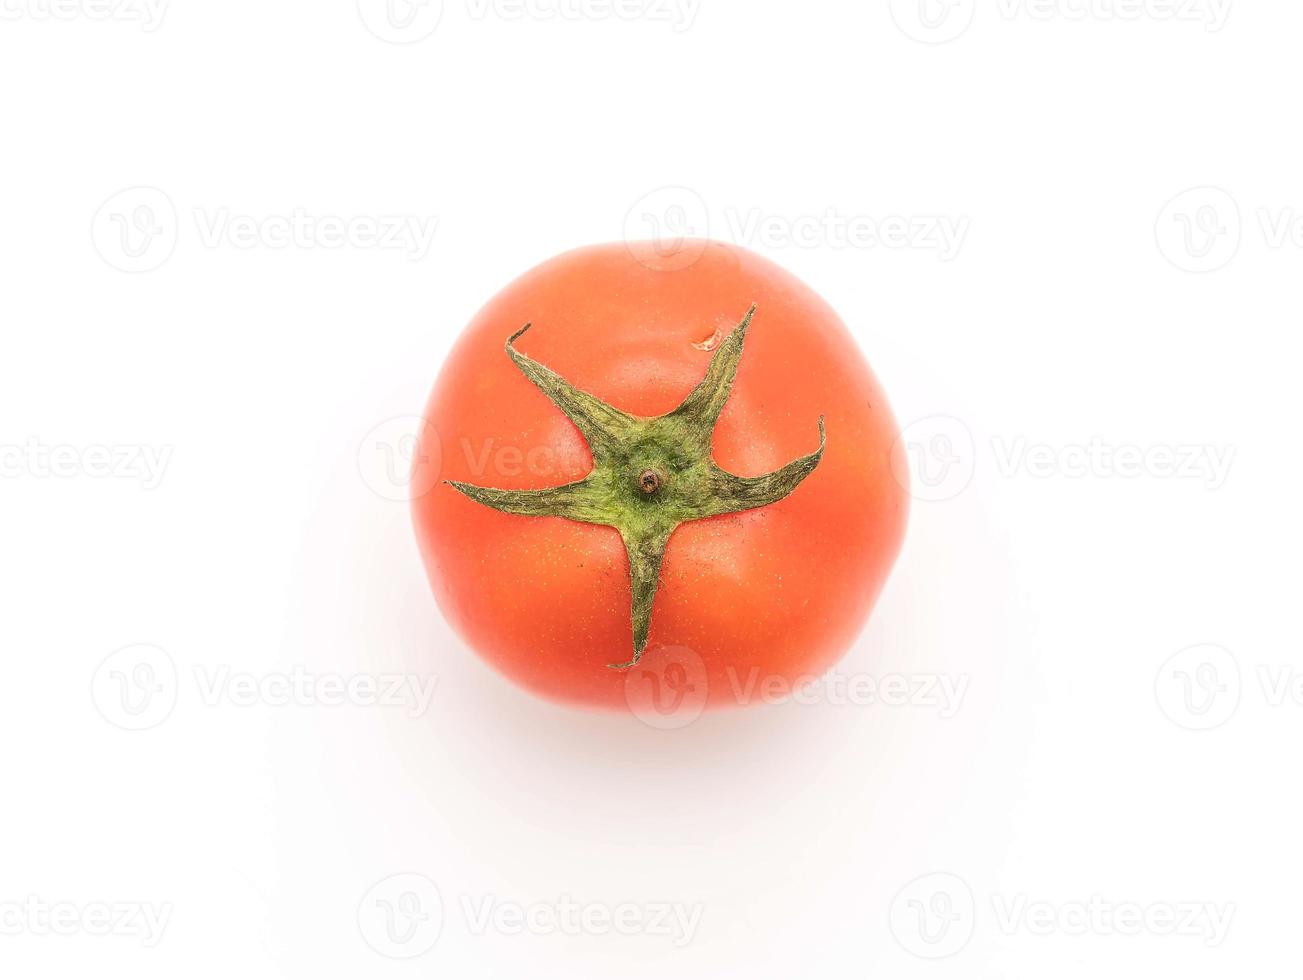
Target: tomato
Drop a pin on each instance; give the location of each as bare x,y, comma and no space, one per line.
684,451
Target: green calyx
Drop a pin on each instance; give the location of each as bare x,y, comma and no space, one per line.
649,474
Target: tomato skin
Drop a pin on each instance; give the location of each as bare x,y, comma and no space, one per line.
777,592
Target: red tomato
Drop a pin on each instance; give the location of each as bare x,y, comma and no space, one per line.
774,591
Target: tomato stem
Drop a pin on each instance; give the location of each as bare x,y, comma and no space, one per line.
649,474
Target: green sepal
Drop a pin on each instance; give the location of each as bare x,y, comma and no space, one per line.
676,448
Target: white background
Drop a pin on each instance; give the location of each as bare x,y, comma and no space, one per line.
1070,375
